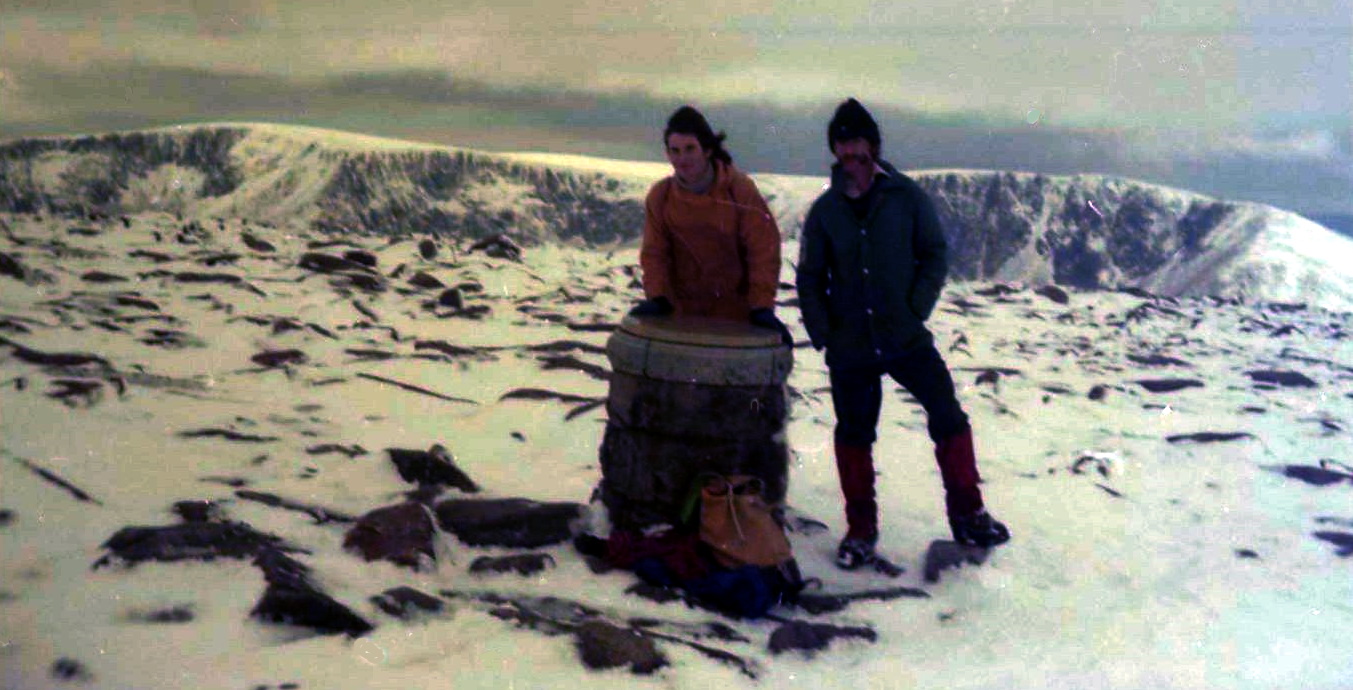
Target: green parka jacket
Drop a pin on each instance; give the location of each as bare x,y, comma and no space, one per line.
867,287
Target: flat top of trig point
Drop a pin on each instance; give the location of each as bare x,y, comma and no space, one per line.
696,330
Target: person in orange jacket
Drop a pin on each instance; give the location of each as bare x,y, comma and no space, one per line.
711,246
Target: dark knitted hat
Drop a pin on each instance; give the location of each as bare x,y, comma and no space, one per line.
852,121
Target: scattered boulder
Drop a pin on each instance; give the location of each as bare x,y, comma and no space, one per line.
1054,293
401,534
1098,392
434,466
1315,476
70,671
360,256
175,614
522,564
12,267
511,522
293,600
1290,379
406,602
278,358
102,277
1168,385
6,517
602,645
1208,437
831,603
1247,554
257,244
452,298
194,540
198,510
810,637
498,246
944,554
1343,541
427,249
425,281
324,263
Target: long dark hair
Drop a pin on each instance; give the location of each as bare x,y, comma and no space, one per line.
688,120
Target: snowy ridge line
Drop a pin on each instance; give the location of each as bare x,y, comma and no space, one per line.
1082,231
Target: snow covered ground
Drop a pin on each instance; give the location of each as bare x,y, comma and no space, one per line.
1141,558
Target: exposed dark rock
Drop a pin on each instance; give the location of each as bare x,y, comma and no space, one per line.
70,671
1054,293
542,394
1208,437
134,301
361,281
157,257
175,614
360,256
324,263
195,540
278,358
194,277
553,362
1291,379
996,290
817,603
990,376
401,534
257,244
320,514
102,277
602,645
199,510
452,298
12,267
226,434
56,479
811,637
425,281
1098,392
76,392
513,522
1158,361
406,603
293,600
1343,541
942,555
352,451
1168,385
172,339
435,466
522,564
59,359
427,249
498,246
6,517
1315,476
1247,554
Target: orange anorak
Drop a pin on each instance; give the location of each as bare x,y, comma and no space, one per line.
714,254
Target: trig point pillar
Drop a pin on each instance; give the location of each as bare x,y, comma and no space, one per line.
689,395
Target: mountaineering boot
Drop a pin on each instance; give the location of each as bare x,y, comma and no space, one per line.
978,529
855,467
969,521
855,552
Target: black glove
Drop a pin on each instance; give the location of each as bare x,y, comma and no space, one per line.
658,306
765,318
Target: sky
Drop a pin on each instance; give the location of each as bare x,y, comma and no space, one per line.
599,77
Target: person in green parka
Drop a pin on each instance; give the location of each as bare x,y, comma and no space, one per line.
871,267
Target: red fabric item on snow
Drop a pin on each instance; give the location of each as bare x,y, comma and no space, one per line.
678,550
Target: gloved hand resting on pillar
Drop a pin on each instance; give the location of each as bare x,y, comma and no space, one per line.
764,317
658,306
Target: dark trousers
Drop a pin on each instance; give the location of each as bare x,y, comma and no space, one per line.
857,396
